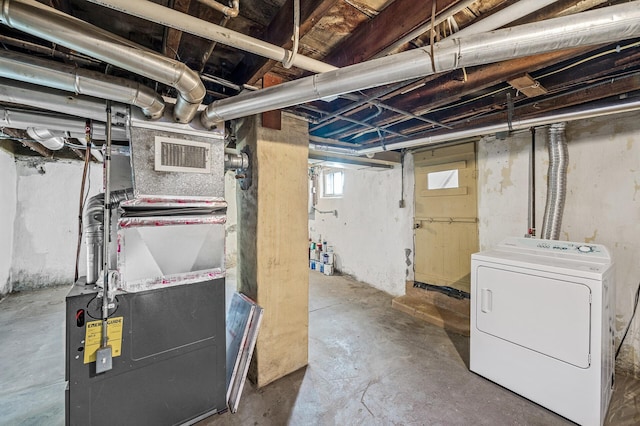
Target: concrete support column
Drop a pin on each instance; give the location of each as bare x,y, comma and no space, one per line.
273,243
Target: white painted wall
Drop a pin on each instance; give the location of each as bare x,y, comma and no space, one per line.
45,233
8,180
602,205
372,237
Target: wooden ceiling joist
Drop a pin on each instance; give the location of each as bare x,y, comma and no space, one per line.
173,37
394,22
279,33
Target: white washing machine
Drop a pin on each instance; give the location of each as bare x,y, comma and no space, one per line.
542,323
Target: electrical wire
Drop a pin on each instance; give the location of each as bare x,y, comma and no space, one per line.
288,62
87,160
635,307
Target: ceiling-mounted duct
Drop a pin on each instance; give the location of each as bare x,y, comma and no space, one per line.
605,25
52,74
19,93
50,24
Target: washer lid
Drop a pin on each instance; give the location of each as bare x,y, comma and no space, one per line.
549,316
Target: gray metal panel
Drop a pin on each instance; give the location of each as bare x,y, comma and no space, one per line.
149,182
183,374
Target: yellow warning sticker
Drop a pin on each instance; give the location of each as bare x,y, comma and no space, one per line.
93,338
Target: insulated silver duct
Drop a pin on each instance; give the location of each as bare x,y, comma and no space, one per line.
92,229
92,220
52,74
236,161
601,26
50,24
19,93
556,182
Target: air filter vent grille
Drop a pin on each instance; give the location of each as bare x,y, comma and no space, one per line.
178,155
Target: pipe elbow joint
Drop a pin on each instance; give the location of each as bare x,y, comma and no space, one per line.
150,102
191,93
184,111
209,119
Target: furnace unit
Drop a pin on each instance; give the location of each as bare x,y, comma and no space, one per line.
166,358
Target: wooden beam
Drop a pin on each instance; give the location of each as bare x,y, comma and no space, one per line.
272,119
394,22
172,37
279,33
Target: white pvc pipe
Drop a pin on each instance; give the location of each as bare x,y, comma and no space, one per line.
189,24
600,26
499,19
425,27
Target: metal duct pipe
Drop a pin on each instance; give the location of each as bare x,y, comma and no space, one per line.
52,74
190,24
47,138
16,119
16,92
92,228
556,182
570,114
236,161
587,28
92,220
50,24
333,149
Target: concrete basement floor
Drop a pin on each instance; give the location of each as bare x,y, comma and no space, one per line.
368,364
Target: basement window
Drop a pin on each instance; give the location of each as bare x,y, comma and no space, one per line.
443,180
333,183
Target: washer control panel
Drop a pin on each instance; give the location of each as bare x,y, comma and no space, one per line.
554,246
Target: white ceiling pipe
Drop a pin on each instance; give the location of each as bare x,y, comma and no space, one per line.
576,113
231,12
601,26
19,93
426,27
189,24
50,24
503,17
52,74
46,138
57,140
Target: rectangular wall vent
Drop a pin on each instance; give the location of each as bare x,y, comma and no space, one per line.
178,155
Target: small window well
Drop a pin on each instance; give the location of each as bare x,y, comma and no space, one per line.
333,183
